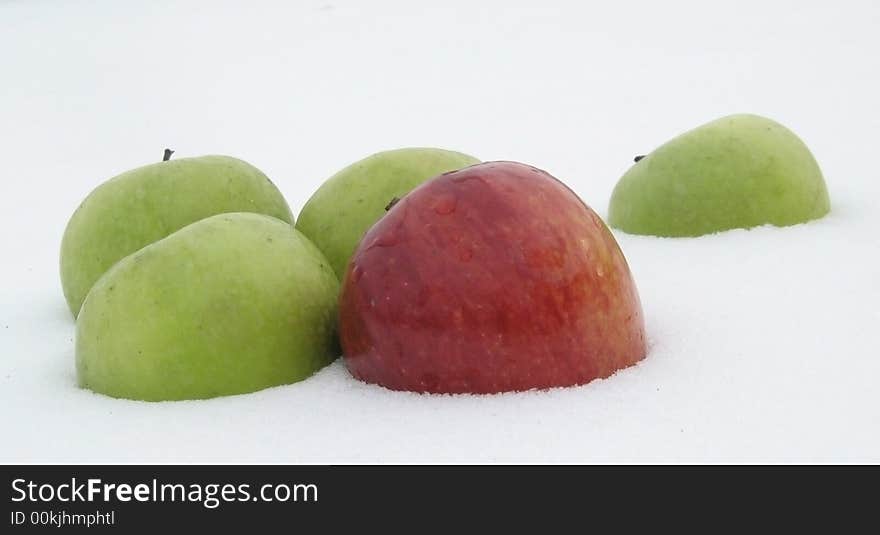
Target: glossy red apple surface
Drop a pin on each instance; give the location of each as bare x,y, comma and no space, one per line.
493,278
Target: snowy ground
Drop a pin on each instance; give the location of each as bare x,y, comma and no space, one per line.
764,343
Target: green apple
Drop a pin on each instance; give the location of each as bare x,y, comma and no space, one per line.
739,171
146,204
231,304
336,217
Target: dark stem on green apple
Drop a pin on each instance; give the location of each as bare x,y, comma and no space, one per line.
391,203
167,156
639,157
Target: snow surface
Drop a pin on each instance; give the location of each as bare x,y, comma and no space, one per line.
764,343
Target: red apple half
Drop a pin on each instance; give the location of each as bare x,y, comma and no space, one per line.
493,278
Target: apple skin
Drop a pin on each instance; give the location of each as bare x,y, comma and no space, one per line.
230,304
338,214
739,171
146,204
493,278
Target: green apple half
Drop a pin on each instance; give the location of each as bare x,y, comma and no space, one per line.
231,304
146,204
739,171
338,214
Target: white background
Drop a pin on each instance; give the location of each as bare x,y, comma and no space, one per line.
764,343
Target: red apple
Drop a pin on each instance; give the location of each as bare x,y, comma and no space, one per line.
493,278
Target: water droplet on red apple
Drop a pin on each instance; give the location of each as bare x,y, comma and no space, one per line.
444,204
386,239
356,273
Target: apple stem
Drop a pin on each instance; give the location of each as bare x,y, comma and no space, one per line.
391,203
167,156
639,157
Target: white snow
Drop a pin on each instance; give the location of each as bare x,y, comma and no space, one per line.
764,343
